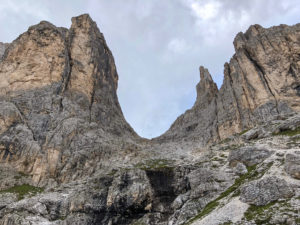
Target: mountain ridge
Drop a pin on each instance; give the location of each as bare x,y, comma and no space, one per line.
68,156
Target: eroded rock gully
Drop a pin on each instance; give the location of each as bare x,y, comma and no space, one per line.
68,156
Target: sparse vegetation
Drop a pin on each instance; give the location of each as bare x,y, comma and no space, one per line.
62,218
250,175
226,140
23,190
243,132
155,164
288,132
215,203
254,211
20,176
263,214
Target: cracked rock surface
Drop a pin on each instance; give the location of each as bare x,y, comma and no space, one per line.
68,156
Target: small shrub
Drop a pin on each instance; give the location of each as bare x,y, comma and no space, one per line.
23,190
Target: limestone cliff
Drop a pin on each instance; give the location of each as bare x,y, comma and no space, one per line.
261,82
67,155
3,46
58,87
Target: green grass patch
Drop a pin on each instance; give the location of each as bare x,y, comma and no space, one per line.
23,190
234,190
263,214
62,218
254,211
215,203
207,209
155,164
243,132
288,132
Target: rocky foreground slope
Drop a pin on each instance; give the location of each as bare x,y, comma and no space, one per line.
68,156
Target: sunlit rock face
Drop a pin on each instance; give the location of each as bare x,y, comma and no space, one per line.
261,82
68,156
57,87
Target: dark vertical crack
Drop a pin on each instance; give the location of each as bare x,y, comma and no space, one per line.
233,92
66,75
92,99
68,64
23,117
262,76
217,117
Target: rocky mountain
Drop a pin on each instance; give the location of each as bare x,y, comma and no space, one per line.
261,82
68,156
3,46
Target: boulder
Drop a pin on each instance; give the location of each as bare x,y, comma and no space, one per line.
266,190
292,164
248,155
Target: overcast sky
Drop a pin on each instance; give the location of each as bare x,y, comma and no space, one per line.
158,45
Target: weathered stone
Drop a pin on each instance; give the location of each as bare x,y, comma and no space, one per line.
130,189
292,164
248,156
3,47
58,86
240,169
62,128
252,91
266,190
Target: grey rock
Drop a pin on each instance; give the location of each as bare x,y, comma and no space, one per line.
250,93
290,123
3,47
62,128
6,199
266,190
240,169
131,189
248,156
292,164
203,181
254,133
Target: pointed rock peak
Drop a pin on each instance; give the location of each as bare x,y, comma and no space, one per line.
206,88
226,71
239,41
43,25
204,74
241,38
253,30
83,22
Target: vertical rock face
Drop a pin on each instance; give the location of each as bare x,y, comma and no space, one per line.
58,87
261,81
3,46
74,63
202,117
67,155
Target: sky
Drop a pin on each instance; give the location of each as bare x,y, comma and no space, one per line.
158,45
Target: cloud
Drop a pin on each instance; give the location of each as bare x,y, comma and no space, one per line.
158,45
177,45
205,10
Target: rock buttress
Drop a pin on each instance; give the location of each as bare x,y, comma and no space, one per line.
261,81
60,114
